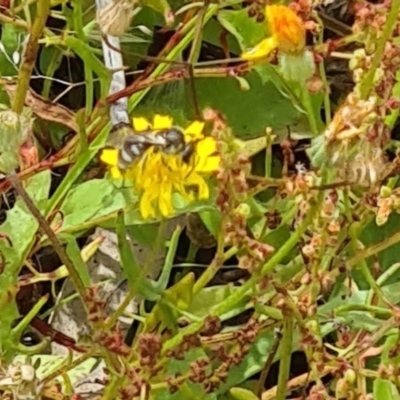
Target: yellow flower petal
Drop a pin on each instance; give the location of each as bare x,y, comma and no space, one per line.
195,129
115,173
157,177
141,124
197,180
165,200
146,205
162,122
209,164
109,156
261,50
206,147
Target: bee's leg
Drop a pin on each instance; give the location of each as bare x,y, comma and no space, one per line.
187,152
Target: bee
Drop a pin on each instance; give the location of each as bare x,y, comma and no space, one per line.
132,145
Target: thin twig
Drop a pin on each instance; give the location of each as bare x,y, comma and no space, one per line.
46,230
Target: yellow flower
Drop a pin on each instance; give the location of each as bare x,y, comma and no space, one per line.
287,34
156,176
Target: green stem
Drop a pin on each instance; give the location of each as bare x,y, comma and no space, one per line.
19,329
362,265
238,295
375,310
189,31
46,230
285,357
30,55
322,72
391,22
307,103
268,154
387,274
212,269
230,302
78,19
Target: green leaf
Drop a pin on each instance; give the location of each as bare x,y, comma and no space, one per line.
251,364
246,30
74,173
88,201
373,234
144,234
18,232
74,255
238,393
38,188
166,310
20,226
207,298
212,220
137,281
212,34
177,297
50,60
8,305
86,53
390,344
11,38
385,390
189,390
249,113
161,6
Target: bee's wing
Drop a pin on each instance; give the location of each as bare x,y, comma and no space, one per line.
123,133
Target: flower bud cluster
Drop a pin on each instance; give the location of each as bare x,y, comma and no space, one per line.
387,202
233,192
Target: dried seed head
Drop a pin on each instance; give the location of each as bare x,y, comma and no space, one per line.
115,18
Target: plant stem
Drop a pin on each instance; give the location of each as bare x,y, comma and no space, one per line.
271,263
390,24
374,249
212,269
46,229
30,55
78,22
19,329
307,103
285,352
239,294
189,31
